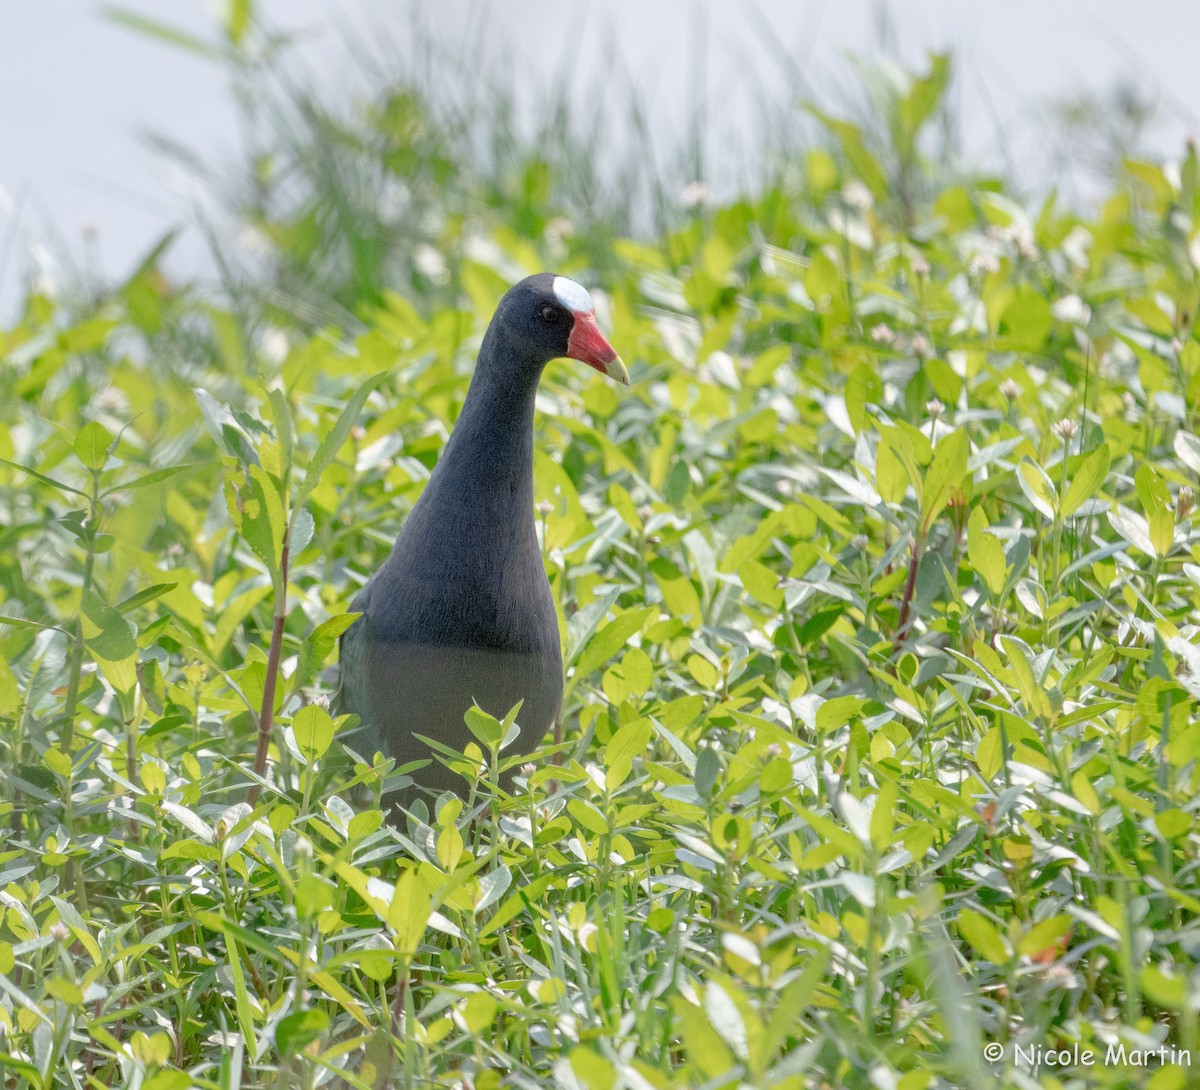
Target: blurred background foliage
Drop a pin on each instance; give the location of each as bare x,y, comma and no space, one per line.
878,591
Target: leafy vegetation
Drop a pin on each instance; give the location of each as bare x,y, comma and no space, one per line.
878,591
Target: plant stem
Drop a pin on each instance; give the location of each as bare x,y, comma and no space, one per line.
266,718
76,667
914,561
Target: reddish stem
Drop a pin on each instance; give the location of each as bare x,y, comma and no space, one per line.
918,547
266,717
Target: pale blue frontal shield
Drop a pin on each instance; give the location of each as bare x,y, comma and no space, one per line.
573,296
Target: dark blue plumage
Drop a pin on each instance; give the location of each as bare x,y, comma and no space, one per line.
461,611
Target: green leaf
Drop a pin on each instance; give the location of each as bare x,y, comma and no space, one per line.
983,937
302,532
630,741
761,583
281,414
1133,528
923,97
257,511
1156,503
154,1049
478,1012
488,730
610,639
883,816
1042,936
156,476
238,20
864,387
838,711
708,767
896,465
313,730
1087,480
638,670
985,553
92,445
409,912
298,1030
1151,490
242,1005
166,1079
164,32
1162,531
794,999
108,634
320,643
1187,449
66,488
1027,320
703,1048
1038,488
944,380
336,436
1037,703
854,147
230,430
145,596
945,477
704,672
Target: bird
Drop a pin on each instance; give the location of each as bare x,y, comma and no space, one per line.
461,612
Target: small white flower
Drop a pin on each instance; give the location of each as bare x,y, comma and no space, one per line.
695,194
557,231
984,263
430,263
1071,308
1011,389
934,407
857,195
274,345
252,240
882,334
1066,429
919,265
921,345
111,399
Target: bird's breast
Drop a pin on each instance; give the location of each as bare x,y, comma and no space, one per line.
503,606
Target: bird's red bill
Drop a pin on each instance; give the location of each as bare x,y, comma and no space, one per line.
588,345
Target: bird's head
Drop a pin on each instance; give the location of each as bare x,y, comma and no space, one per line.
551,317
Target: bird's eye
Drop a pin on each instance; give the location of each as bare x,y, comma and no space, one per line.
550,314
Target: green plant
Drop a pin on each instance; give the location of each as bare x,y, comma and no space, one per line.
878,592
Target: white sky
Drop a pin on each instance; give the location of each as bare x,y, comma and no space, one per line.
78,93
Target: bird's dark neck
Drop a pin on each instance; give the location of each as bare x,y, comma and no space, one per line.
467,569
488,462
